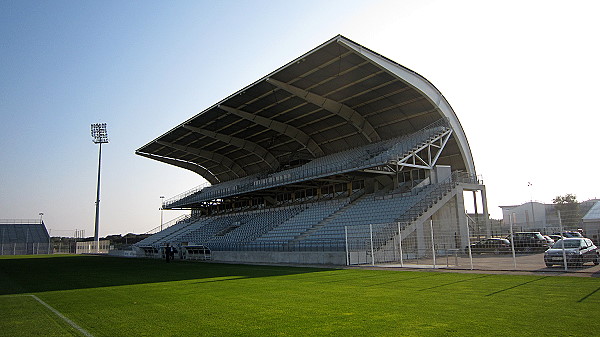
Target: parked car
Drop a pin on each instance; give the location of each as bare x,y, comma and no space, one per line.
550,241
555,237
529,241
569,234
577,252
491,245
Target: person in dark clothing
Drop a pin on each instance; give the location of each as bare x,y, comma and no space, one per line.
168,253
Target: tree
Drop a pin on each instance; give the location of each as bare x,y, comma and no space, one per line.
569,210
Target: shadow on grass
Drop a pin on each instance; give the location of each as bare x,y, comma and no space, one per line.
455,282
588,295
516,286
402,280
50,272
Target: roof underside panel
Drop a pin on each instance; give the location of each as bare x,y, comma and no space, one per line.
331,99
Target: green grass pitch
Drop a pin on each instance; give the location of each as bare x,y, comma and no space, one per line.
138,297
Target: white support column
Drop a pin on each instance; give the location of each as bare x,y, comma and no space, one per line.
486,216
461,217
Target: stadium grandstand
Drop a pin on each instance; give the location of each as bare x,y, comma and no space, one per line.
338,139
23,237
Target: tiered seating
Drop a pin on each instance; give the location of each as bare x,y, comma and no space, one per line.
380,208
209,228
313,225
314,214
255,225
168,234
26,232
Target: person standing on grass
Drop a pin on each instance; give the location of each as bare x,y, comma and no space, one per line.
168,253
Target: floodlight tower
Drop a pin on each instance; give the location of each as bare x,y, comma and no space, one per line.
100,136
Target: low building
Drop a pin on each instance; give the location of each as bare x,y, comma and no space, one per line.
591,222
540,217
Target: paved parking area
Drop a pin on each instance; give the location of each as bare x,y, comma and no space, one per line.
488,263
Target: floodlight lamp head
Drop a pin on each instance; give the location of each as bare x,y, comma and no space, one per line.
99,133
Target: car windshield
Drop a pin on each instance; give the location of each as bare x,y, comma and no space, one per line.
568,244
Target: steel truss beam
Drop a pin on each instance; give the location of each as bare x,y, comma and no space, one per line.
247,145
357,120
229,164
426,155
286,129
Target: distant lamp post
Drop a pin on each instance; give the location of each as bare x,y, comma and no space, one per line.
100,136
162,200
41,216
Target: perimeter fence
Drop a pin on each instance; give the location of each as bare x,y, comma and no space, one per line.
22,248
441,244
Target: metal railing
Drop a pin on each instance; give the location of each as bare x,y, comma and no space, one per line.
431,194
169,224
282,246
21,221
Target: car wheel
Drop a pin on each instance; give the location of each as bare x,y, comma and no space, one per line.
549,265
597,260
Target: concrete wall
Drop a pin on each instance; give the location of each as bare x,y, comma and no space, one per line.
524,216
327,258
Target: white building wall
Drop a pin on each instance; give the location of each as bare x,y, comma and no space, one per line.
528,216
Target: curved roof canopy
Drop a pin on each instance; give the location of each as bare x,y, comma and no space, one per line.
338,96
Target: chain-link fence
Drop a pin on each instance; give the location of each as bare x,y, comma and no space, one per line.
31,248
445,244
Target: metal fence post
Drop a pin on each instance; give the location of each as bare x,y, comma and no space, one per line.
396,249
372,251
469,244
400,245
512,241
347,250
432,242
564,254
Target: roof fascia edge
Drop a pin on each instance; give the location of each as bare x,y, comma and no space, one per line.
198,169
422,85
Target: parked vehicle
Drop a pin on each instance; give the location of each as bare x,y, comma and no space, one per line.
491,245
555,237
529,241
577,252
550,241
569,234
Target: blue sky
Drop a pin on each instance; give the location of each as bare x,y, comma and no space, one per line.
521,77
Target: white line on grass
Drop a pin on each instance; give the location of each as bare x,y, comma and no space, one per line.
57,313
